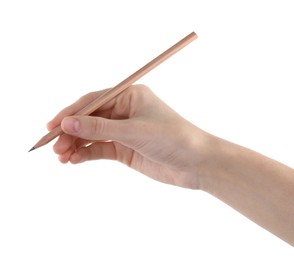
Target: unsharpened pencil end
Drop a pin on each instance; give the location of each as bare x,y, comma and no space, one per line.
33,148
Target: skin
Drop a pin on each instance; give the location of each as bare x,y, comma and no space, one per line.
139,130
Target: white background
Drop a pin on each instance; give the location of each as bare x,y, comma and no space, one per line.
234,81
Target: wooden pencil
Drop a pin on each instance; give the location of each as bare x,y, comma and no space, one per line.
111,93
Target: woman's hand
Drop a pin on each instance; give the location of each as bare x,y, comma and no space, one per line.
137,129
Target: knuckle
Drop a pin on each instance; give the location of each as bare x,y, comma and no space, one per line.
97,128
140,89
87,97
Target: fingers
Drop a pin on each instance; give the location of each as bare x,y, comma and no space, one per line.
95,151
102,150
123,106
123,120
65,157
74,108
80,131
96,128
63,143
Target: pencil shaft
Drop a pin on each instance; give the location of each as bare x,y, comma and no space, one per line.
111,93
100,101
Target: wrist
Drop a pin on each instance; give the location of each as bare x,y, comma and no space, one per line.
222,162
200,155
213,152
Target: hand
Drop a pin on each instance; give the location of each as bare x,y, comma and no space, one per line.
137,129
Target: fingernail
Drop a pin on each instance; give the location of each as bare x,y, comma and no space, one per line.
70,125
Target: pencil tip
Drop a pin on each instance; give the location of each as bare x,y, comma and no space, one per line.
33,148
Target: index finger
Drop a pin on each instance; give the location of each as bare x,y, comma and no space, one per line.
73,108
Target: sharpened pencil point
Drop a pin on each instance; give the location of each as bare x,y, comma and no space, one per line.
33,148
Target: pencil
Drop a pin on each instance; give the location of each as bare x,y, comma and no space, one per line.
113,92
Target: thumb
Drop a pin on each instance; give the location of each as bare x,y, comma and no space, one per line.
95,128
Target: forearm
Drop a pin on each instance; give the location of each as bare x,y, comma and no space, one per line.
256,186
